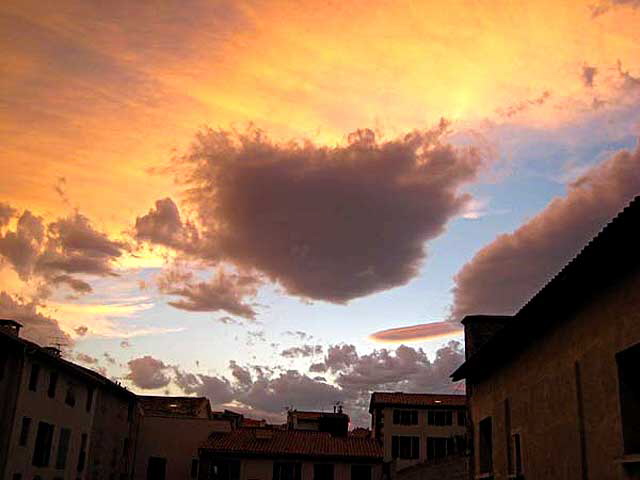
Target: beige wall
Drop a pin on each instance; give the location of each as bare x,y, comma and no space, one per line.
39,407
262,469
422,430
540,385
176,439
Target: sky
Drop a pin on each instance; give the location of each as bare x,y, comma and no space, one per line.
292,204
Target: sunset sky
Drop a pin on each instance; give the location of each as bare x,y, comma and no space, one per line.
282,204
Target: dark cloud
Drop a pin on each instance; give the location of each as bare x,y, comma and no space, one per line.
604,6
81,331
302,351
38,328
524,105
629,82
416,332
148,373
319,367
107,356
218,390
163,226
502,276
224,291
56,251
6,213
87,359
588,75
326,223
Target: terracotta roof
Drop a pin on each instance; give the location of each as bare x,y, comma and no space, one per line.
252,422
416,399
360,432
608,257
293,443
192,407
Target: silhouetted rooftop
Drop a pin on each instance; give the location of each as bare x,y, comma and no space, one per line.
382,399
160,406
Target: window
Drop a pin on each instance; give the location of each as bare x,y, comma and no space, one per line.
53,381
156,468
361,472
33,378
462,418
286,471
515,462
42,449
130,411
24,431
440,417
70,398
3,363
440,447
63,448
90,391
125,448
405,447
82,456
194,468
485,449
405,417
629,388
323,471
224,470
17,476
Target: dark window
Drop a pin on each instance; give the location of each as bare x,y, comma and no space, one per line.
90,391
156,469
439,447
82,455
286,471
516,451
33,378
462,418
63,448
361,472
485,434
3,366
629,387
194,468
24,432
224,470
125,448
405,417
130,410
17,476
440,417
42,449
70,398
405,447
323,471
53,381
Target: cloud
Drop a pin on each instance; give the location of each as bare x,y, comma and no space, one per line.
38,328
217,390
6,213
56,251
303,351
326,223
502,276
224,291
163,226
524,105
125,344
604,6
87,359
81,331
416,332
148,373
302,336
588,74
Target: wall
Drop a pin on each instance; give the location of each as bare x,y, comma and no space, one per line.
174,438
12,362
39,407
540,385
423,430
115,424
454,467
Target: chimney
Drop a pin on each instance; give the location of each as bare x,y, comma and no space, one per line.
478,329
10,327
54,351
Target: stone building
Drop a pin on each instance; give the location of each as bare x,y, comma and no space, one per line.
417,427
554,391
277,454
49,420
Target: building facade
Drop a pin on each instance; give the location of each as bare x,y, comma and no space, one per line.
417,427
275,454
554,391
49,412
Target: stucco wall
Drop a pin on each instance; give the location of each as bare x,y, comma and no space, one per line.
39,407
540,385
176,439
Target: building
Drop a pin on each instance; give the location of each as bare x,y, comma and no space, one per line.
171,430
418,427
275,454
336,422
554,391
49,419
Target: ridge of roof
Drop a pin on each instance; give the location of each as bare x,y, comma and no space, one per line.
612,230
